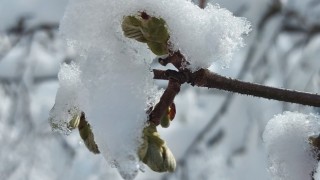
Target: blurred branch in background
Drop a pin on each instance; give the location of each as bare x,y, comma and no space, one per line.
29,59
20,30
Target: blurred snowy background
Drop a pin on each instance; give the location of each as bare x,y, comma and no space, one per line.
215,135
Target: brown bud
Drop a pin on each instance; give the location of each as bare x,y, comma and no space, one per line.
172,111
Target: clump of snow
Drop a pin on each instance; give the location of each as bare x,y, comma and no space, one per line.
112,91
286,136
202,35
66,104
111,81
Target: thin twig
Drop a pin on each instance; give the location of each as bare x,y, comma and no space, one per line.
202,4
176,59
212,80
166,100
205,78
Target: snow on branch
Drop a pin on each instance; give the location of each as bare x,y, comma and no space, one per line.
111,83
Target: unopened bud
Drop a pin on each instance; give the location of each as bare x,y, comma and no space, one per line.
74,122
146,29
158,156
168,116
165,121
315,143
131,27
87,135
142,151
169,160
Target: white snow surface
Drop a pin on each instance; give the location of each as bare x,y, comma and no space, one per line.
286,139
203,36
110,80
114,92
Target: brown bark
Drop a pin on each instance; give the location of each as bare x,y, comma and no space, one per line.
205,78
165,101
202,3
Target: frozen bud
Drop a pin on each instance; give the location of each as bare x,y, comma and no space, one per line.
147,132
87,135
155,30
165,121
146,29
158,156
74,122
154,157
131,27
169,160
158,49
315,143
66,123
169,116
142,151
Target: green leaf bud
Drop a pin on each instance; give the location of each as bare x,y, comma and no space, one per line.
155,30
169,162
158,49
168,116
74,122
165,120
150,30
87,135
158,156
142,151
131,27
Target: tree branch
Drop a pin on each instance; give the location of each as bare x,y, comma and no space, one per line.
165,101
202,3
205,78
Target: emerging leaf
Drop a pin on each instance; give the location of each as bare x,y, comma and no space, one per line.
146,29
87,135
131,27
155,153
